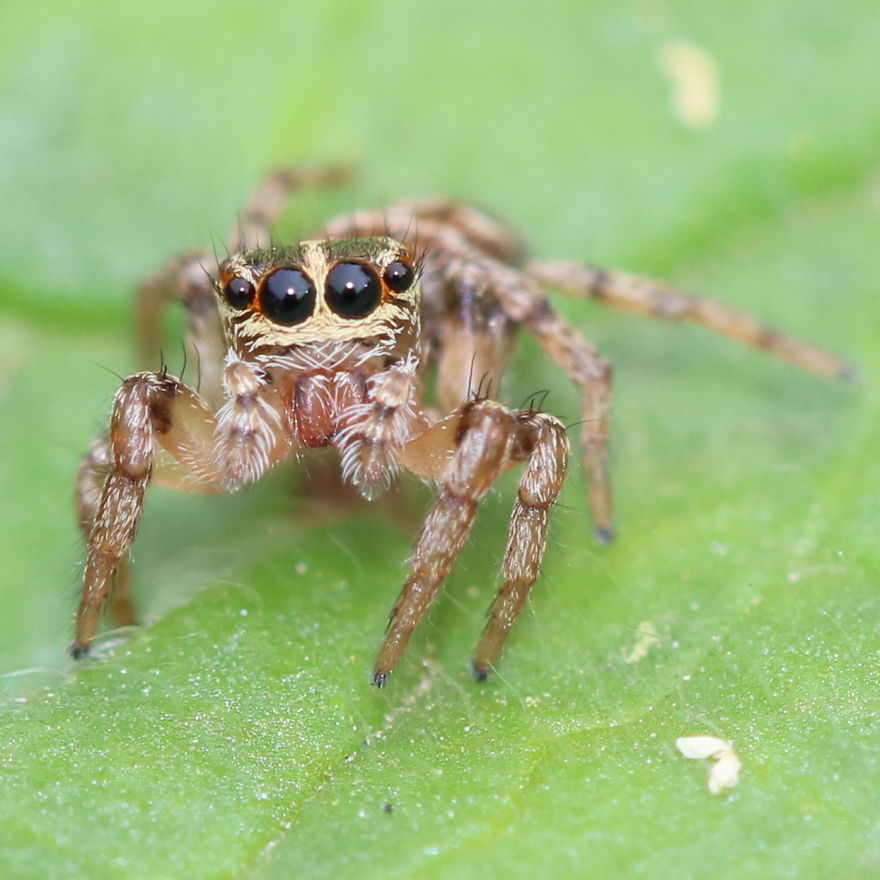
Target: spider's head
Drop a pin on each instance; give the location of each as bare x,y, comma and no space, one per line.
318,293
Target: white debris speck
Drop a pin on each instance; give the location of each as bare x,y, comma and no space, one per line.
725,771
696,90
301,568
647,638
701,746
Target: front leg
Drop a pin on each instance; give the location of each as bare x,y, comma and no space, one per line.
542,437
483,432
144,410
468,450
155,411
95,466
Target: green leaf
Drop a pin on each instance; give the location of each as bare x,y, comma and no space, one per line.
236,735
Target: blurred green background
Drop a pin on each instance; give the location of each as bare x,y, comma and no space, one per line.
237,735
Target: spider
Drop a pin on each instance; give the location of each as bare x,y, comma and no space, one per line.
327,343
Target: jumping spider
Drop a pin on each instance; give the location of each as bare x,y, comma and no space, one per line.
326,343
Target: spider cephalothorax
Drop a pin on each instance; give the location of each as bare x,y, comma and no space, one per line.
325,343
319,293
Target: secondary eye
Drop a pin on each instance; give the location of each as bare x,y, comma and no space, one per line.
288,296
399,276
239,292
353,290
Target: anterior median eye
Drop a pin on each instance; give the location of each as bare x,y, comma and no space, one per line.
239,292
287,296
399,276
353,290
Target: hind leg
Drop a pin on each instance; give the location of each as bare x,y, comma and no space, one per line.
645,296
524,301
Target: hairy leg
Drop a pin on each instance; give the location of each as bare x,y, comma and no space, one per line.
487,439
266,204
420,223
644,296
482,442
475,336
152,413
94,468
188,279
527,537
524,301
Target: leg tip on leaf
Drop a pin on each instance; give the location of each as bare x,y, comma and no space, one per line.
78,651
849,373
480,673
604,534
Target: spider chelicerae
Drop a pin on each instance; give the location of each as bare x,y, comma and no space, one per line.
327,343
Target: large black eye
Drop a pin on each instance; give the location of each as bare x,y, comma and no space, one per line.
288,296
353,290
239,292
399,276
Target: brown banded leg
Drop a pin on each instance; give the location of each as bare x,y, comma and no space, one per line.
527,537
266,204
644,296
487,438
476,340
593,375
481,450
148,408
162,430
189,279
95,467
431,222
525,302
478,228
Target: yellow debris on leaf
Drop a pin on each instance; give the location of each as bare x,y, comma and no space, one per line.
647,638
696,86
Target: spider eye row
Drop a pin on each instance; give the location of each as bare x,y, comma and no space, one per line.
287,295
